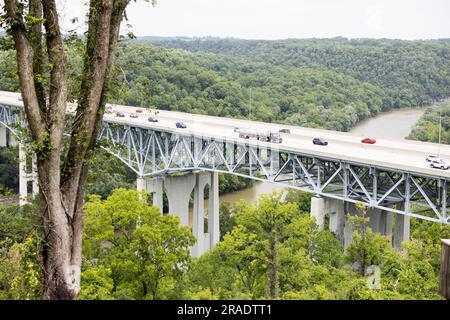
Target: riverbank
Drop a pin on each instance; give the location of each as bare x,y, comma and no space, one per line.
395,124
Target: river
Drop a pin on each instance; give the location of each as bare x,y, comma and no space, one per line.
395,124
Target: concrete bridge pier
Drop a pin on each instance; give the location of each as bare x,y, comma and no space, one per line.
213,211
23,181
178,190
153,186
380,221
401,230
25,177
321,206
11,139
3,142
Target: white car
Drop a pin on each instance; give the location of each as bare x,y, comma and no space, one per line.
439,164
432,157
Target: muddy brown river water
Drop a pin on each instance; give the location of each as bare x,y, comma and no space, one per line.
393,124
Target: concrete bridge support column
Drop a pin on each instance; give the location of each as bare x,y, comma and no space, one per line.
401,232
274,160
198,217
23,177
320,207
337,217
206,241
178,191
141,184
386,224
381,222
3,136
153,186
318,210
213,211
10,139
351,210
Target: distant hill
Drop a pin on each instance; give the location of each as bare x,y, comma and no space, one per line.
411,73
325,83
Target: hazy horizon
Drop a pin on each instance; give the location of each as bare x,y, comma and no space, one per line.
281,39
280,20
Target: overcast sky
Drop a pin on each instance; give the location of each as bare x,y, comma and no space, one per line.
280,19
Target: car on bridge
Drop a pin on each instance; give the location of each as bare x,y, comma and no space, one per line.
284,130
120,115
152,119
139,110
369,140
180,125
261,135
134,115
439,164
108,109
432,157
319,142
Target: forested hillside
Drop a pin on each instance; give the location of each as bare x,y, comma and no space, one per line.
221,86
328,83
410,73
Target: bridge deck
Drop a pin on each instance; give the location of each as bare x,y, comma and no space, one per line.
395,154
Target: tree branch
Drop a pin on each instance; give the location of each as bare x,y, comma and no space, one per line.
35,12
58,78
25,58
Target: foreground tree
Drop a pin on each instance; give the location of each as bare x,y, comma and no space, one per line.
38,40
134,251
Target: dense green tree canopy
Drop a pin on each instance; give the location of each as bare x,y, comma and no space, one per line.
410,73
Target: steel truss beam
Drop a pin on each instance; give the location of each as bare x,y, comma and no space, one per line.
151,152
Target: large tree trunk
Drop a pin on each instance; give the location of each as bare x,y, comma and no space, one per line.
62,187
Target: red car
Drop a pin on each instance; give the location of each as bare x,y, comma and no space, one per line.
368,140
139,110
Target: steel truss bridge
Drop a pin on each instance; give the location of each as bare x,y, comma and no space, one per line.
151,151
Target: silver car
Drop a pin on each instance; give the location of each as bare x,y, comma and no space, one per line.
439,164
432,157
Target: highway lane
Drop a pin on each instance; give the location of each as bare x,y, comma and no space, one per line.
397,154
389,153
331,136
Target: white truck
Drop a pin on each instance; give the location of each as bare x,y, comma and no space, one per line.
261,135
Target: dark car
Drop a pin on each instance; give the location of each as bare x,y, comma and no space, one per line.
180,125
151,119
120,114
368,140
134,115
284,131
320,142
